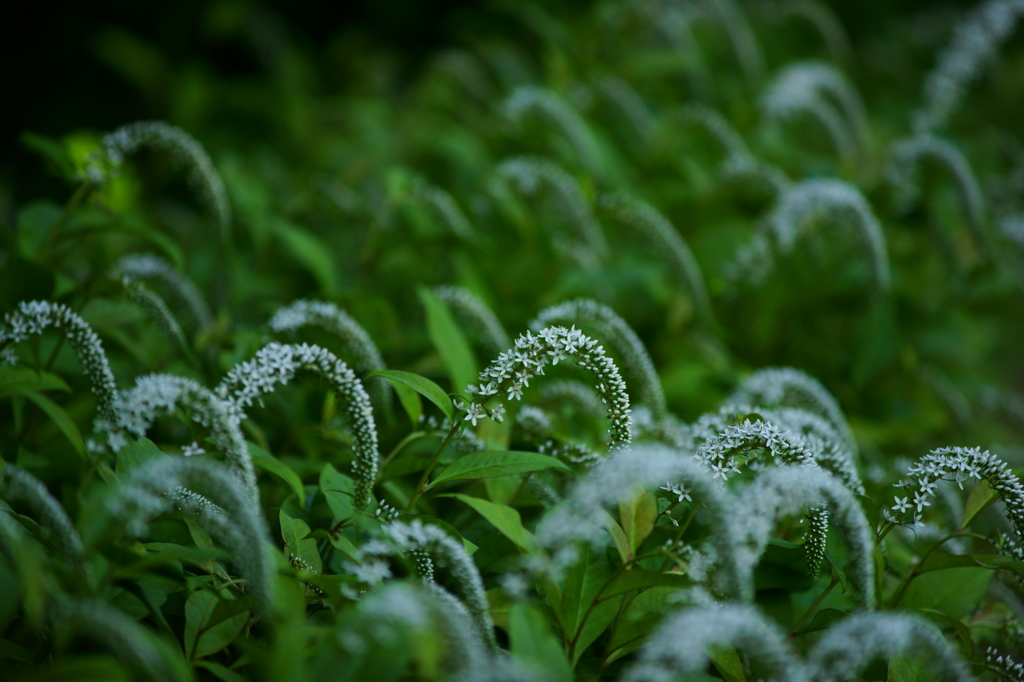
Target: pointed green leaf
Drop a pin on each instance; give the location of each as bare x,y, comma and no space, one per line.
637,517
534,646
18,379
211,623
450,342
495,464
295,532
505,519
425,387
981,498
59,417
266,461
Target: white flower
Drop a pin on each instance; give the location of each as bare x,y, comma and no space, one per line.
498,413
193,450
474,412
902,504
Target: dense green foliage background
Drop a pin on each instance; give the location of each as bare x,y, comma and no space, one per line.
323,125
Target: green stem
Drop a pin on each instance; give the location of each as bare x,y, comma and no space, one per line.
81,192
817,602
421,487
398,448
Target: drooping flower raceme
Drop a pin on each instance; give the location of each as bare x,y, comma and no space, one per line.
667,242
475,314
156,310
185,149
277,364
615,332
530,99
34,317
156,395
903,173
19,485
801,207
356,341
678,647
447,209
514,368
976,41
532,175
219,503
958,464
154,269
815,88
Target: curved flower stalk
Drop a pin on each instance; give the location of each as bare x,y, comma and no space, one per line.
719,453
150,268
277,364
156,395
1006,402
553,108
34,317
720,130
903,174
531,174
18,484
803,205
947,391
184,149
447,552
958,464
1011,231
212,494
617,333
646,465
814,89
446,208
849,646
116,630
678,647
787,386
665,239
156,310
629,102
514,368
976,41
823,20
354,338
787,491
748,52
476,315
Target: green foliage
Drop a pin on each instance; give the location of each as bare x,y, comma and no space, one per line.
800,301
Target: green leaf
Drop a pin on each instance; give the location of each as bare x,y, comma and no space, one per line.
953,591
54,151
583,580
211,623
495,464
637,516
59,417
451,344
534,645
642,579
410,400
727,661
219,671
295,532
337,489
981,498
938,561
962,631
18,379
425,387
309,250
505,519
266,461
903,668
137,453
618,536
642,615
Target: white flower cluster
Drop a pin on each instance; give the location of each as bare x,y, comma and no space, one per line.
354,338
665,240
185,149
903,174
1003,665
805,204
514,368
679,490
17,484
532,175
277,364
444,204
529,99
615,332
34,317
466,441
976,41
720,452
1011,230
475,313
219,503
960,464
815,89
117,631
155,395
447,552
720,130
155,308
733,19
150,268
